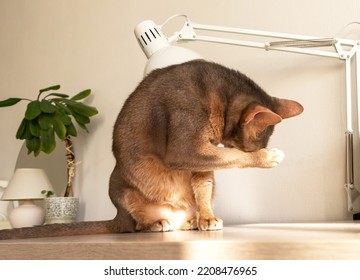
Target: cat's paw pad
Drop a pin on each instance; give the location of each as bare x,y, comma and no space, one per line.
271,157
212,223
162,225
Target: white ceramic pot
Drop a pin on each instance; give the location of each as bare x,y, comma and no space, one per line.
61,209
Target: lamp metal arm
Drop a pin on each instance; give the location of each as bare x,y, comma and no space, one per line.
341,48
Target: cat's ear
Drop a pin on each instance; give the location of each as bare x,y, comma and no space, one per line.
259,116
286,108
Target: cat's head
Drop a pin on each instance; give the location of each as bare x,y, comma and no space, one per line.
256,124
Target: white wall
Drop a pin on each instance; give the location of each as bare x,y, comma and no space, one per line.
90,44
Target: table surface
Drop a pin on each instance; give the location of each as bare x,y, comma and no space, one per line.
254,241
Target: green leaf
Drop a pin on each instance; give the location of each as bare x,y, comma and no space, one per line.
37,152
83,126
21,130
34,128
47,193
80,119
62,108
82,109
47,107
81,95
56,87
27,133
62,95
24,130
33,110
60,114
71,130
33,144
9,102
46,121
59,128
47,140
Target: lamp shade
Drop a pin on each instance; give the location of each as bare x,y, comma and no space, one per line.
158,49
169,56
26,184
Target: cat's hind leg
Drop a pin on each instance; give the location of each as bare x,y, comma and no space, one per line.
157,217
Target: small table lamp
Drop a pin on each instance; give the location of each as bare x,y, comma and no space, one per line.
26,185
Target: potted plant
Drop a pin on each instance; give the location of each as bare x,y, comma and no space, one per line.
50,115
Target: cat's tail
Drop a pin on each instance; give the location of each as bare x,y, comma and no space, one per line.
55,230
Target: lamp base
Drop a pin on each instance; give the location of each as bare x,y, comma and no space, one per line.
27,215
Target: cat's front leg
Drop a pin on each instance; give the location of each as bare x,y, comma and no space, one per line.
203,187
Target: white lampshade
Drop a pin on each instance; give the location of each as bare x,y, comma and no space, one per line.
27,183
168,56
158,49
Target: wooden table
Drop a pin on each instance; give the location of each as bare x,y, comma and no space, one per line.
255,242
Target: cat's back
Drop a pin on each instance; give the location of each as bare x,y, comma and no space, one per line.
163,91
179,85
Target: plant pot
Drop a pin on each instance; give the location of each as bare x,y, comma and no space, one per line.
61,209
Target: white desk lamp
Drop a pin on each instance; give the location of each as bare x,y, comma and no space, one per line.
26,185
160,53
157,47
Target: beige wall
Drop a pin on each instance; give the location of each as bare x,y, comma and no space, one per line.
90,44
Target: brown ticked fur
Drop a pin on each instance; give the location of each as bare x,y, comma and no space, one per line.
166,144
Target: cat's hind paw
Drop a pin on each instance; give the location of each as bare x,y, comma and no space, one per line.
162,225
159,226
190,225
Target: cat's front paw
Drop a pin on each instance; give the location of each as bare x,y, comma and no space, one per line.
270,157
212,223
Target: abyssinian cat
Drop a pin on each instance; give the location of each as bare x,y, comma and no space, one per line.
166,142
